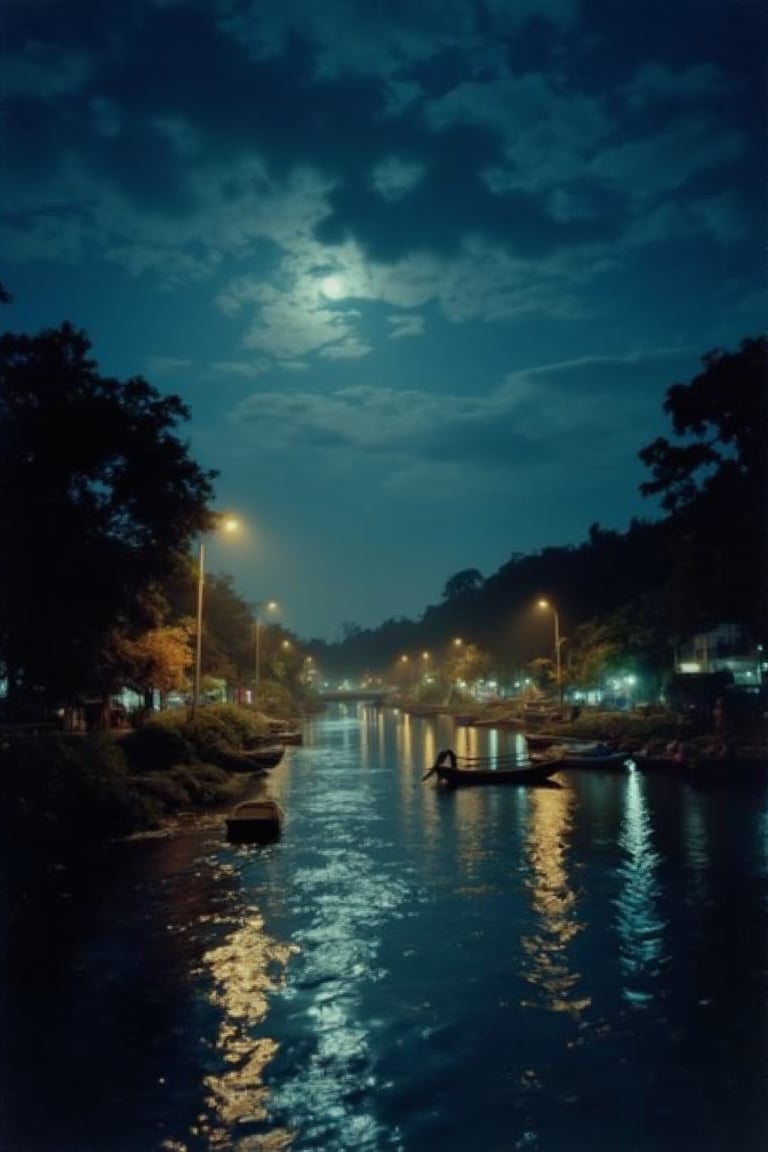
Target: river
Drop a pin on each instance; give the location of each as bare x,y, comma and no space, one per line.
550,969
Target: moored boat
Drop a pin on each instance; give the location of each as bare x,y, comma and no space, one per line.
455,771
283,735
251,759
593,756
265,757
255,821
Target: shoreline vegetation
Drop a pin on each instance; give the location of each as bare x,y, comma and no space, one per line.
64,797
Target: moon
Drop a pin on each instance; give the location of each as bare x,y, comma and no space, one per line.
332,287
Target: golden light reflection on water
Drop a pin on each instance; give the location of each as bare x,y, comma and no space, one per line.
554,901
242,972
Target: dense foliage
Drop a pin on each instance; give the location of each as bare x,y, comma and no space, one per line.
98,501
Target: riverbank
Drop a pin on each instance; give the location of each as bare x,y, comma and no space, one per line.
650,730
65,797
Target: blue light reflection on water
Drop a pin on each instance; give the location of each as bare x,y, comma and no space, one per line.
552,969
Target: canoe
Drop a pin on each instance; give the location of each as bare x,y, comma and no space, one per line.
255,821
456,772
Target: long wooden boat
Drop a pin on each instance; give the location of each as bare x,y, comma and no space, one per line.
455,771
255,822
598,757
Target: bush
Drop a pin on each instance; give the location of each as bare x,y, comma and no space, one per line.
62,797
276,700
155,748
215,729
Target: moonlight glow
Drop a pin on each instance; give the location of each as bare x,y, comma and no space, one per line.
333,287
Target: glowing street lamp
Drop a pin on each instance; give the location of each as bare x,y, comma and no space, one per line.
269,606
558,667
226,524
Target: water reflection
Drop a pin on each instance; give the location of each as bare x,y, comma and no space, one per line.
554,901
639,922
697,849
454,973
240,973
323,1081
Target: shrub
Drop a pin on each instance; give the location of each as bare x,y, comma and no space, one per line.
61,797
215,729
155,747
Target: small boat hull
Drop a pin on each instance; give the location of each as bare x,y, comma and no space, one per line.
255,822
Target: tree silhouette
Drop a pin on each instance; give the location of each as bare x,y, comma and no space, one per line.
714,481
98,501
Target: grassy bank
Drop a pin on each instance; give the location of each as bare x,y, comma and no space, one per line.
63,797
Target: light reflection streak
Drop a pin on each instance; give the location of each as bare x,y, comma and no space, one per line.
241,973
696,848
349,897
639,922
554,901
762,845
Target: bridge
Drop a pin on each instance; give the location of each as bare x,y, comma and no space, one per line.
369,695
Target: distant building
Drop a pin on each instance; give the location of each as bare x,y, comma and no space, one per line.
726,648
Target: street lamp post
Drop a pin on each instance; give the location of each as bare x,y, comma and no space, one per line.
558,666
229,524
270,605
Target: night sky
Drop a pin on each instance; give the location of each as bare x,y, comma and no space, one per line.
422,269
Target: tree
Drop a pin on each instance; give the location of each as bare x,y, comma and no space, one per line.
99,499
713,481
156,661
721,421
463,584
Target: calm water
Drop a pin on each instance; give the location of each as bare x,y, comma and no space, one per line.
548,969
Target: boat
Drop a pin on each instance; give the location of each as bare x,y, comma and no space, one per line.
284,735
250,759
265,757
456,771
255,822
595,756
573,743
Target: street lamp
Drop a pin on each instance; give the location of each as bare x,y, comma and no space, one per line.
558,668
270,606
227,524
